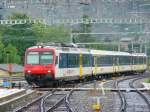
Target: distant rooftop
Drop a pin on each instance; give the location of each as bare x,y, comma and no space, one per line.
126,40
15,68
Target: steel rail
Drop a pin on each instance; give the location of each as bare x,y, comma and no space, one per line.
139,92
122,97
57,104
20,109
62,100
42,108
68,103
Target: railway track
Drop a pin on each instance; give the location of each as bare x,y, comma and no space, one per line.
131,84
33,106
122,96
51,101
58,101
13,78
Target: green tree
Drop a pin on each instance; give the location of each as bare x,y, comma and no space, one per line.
11,54
1,51
16,15
26,35
20,36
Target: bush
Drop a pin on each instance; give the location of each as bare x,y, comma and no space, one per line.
148,80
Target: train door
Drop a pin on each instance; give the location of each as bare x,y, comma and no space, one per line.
143,62
118,65
61,67
56,65
114,64
132,63
95,65
146,66
81,65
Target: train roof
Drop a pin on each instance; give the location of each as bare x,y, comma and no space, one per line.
139,54
64,49
116,53
84,50
96,52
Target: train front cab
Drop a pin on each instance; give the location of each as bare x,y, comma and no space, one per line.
39,66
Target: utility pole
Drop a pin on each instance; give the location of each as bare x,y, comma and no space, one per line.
132,47
71,37
119,45
9,69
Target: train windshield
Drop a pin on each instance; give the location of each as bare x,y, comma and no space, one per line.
46,58
33,58
40,58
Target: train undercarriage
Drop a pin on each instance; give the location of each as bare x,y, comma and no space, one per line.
39,80
48,81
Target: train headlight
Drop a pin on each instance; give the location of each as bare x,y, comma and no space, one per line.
29,71
49,71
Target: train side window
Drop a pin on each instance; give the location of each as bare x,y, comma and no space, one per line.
105,61
73,60
135,59
124,60
110,61
91,60
86,60
132,60
114,60
63,60
140,60
144,60
128,60
98,61
121,60
93,63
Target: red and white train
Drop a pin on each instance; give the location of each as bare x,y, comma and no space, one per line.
47,64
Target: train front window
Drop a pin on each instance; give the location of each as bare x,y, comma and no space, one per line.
33,58
46,58
36,58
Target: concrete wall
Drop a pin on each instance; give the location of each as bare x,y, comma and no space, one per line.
6,74
3,73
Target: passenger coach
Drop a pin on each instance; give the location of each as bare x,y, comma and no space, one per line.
45,65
